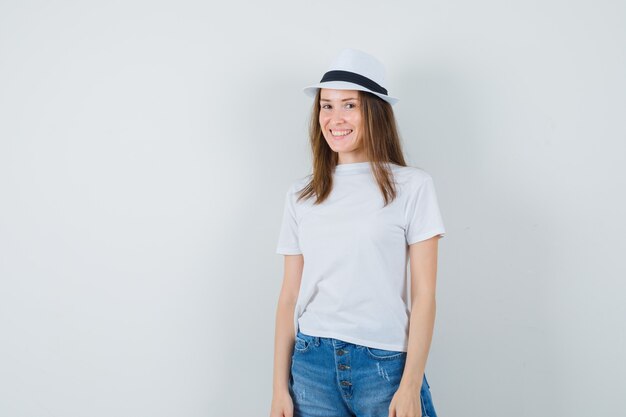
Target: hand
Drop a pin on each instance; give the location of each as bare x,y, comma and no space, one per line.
282,405
406,402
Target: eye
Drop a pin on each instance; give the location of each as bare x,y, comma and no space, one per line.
324,106
351,104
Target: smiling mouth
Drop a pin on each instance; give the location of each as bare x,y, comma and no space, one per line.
340,133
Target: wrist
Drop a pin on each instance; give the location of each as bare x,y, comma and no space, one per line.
411,384
280,391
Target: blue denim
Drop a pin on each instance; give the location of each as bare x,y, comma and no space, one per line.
333,378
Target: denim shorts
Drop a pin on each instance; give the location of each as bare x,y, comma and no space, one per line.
334,378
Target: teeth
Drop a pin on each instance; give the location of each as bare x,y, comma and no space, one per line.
340,132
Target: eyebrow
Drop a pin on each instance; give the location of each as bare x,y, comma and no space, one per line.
345,99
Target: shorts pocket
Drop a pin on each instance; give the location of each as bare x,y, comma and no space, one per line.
302,342
383,354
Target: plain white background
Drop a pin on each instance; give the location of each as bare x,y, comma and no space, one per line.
146,147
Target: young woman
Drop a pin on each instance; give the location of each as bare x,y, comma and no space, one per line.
352,330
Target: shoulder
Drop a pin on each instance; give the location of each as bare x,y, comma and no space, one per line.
299,183
410,175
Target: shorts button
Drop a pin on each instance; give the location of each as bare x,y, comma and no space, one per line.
340,352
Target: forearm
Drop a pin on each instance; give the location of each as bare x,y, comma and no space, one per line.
421,328
283,343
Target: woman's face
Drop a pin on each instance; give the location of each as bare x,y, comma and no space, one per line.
340,120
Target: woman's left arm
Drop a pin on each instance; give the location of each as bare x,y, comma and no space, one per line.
423,261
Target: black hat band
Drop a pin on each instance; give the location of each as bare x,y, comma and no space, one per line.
353,77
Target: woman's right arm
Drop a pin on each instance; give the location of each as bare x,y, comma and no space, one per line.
284,340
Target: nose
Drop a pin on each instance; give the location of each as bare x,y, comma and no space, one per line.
338,116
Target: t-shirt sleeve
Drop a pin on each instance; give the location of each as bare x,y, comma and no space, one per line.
423,218
288,236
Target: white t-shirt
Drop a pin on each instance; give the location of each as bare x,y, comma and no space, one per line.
355,285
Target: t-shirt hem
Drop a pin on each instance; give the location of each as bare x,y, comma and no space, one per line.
288,251
355,340
426,235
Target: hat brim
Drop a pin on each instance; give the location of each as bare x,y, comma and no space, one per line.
311,90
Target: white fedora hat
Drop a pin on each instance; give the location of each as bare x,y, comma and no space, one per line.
354,70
